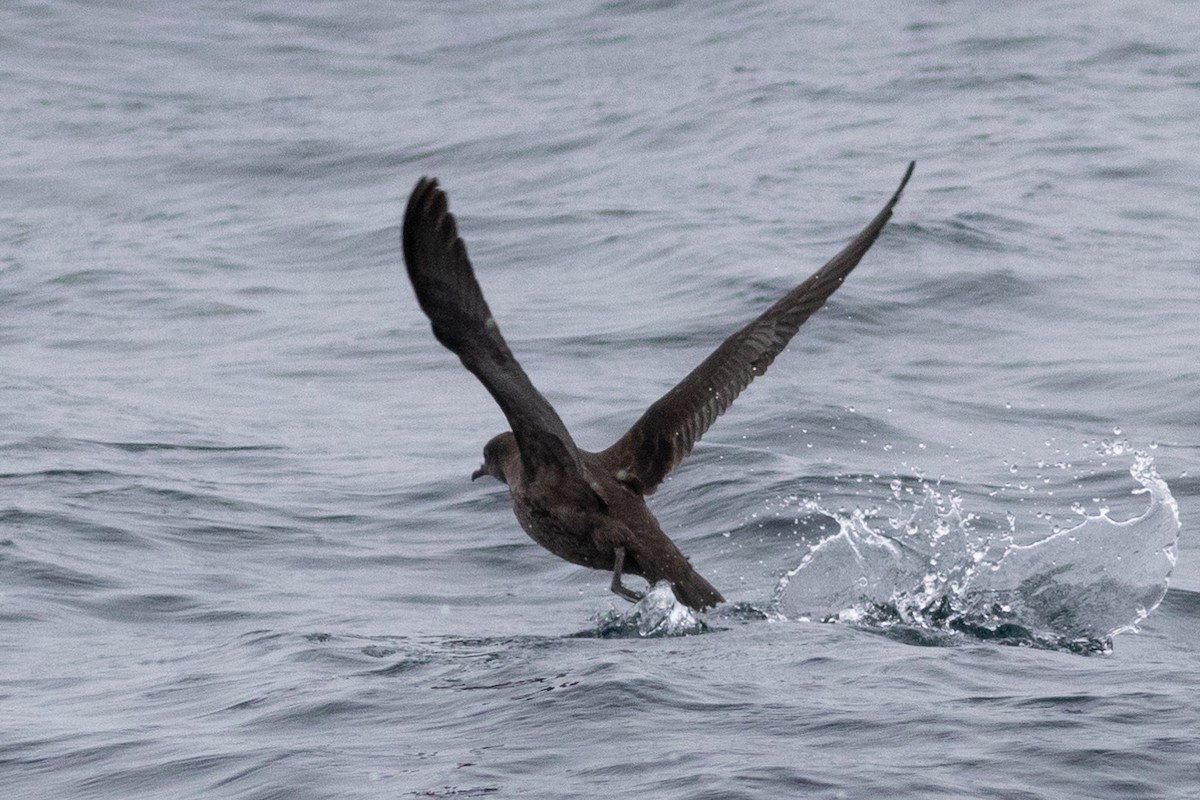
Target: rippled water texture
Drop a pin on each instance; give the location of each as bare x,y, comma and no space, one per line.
240,553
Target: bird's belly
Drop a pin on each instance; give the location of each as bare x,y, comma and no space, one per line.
567,535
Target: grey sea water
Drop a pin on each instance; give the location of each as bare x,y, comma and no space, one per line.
240,555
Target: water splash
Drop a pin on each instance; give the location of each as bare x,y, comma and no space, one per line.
929,568
656,615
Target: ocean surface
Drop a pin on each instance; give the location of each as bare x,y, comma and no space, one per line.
956,523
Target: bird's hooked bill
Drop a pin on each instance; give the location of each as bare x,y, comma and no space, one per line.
479,473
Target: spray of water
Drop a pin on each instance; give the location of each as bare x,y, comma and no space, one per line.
925,567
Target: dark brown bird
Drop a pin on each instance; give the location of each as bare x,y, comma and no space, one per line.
590,508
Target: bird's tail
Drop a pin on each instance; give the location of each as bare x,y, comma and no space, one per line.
695,592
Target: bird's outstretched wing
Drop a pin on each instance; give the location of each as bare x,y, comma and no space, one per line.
669,429
450,296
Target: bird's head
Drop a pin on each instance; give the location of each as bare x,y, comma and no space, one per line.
497,453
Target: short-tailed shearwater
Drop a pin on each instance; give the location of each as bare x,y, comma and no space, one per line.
590,508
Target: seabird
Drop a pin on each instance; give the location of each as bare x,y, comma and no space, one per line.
590,508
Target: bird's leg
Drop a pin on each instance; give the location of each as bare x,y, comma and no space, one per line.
618,587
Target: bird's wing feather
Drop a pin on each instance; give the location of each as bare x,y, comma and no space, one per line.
450,296
666,433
